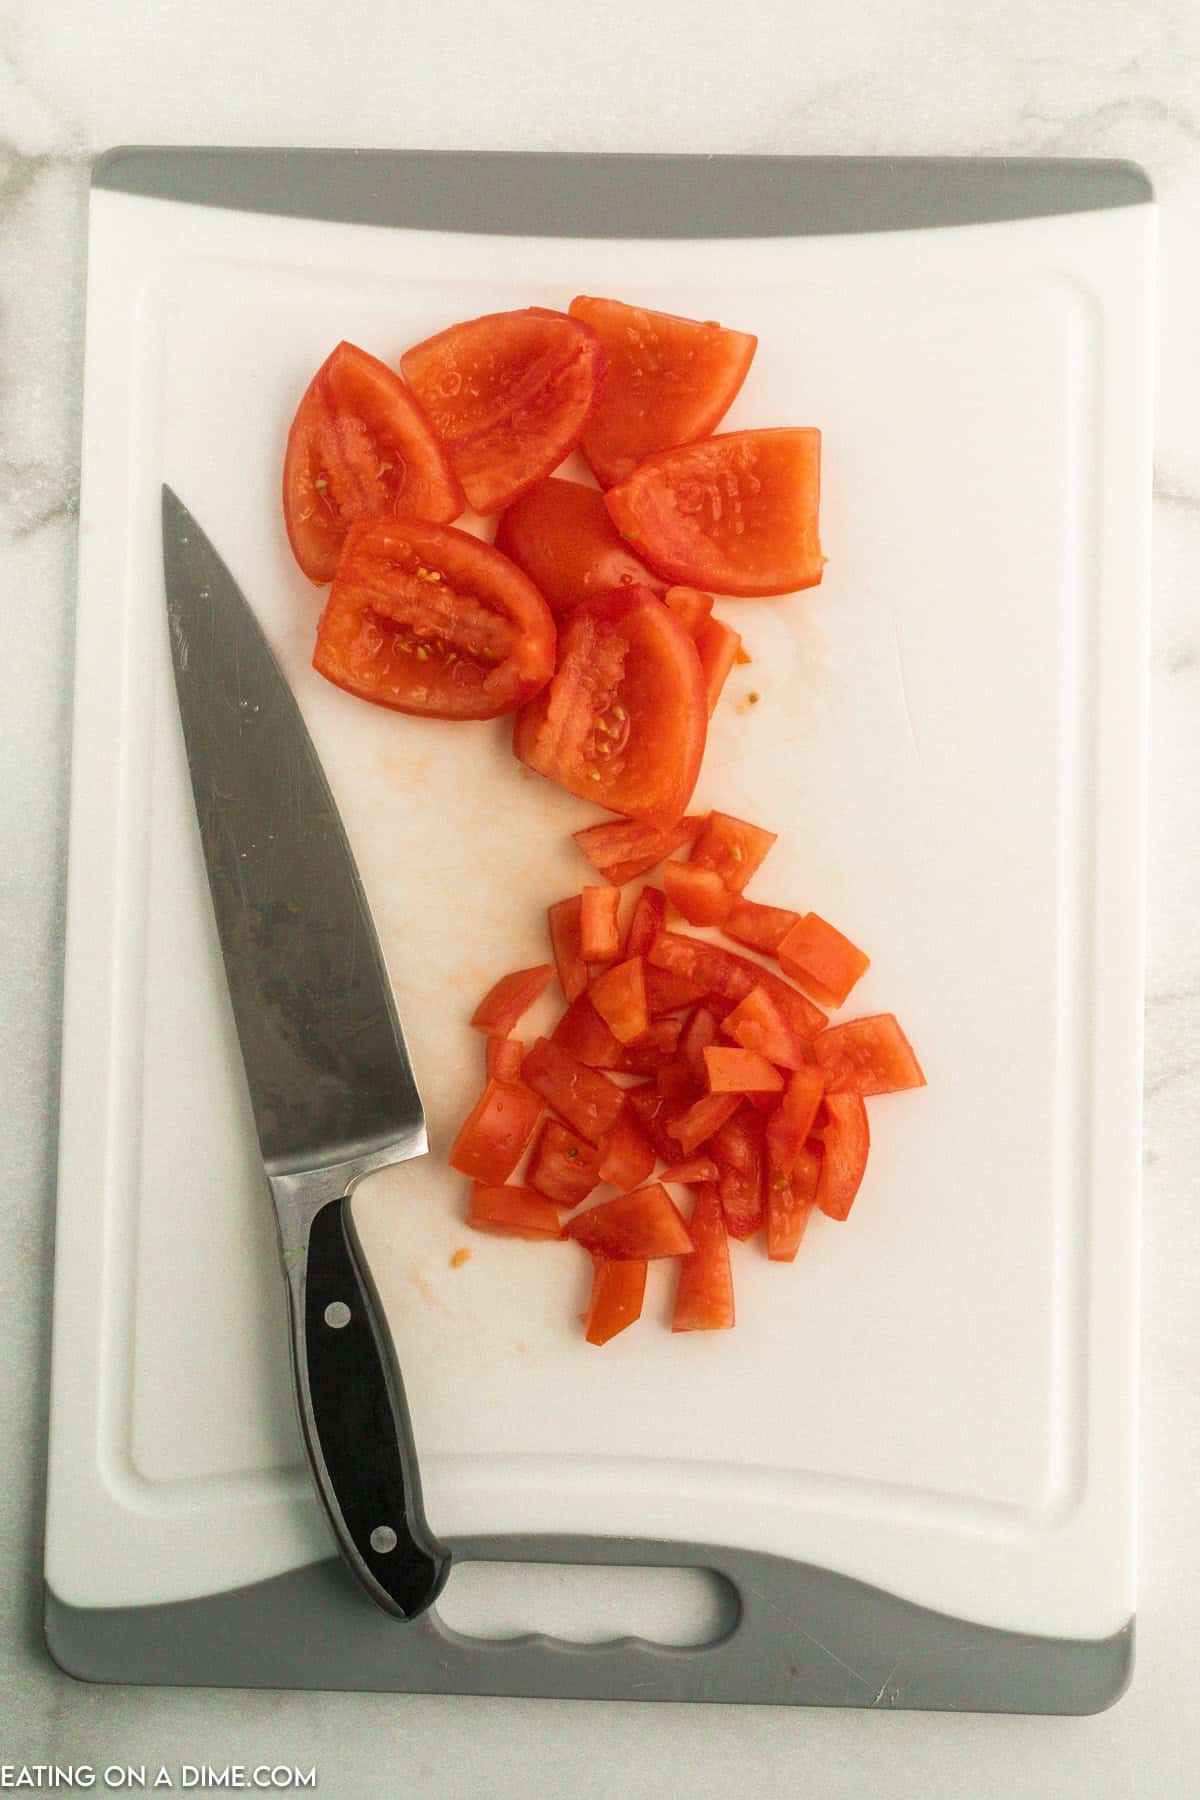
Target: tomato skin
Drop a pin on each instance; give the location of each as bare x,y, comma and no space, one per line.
618,1294
584,1033
791,1202
510,999
790,1125
761,928
740,1071
737,1150
624,720
359,447
563,1166
643,1224
629,1158
509,395
706,1115
717,646
758,1023
586,1099
668,992
427,619
649,917
564,922
691,1172
693,606
512,1212
821,960
724,975
561,535
737,513
699,894
701,1031
599,933
732,848
868,1056
495,1132
504,1058
846,1136
704,1292
623,848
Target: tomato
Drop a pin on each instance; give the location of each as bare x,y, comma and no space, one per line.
791,1201
791,1123
702,1118
693,606
704,1291
619,996
701,1031
846,1136
510,999
360,447
649,917
512,1212
628,1158
561,535
618,1291
599,933
645,1223
583,1032
563,919
821,960
504,1058
762,928
732,849
737,1150
563,1166
509,396
428,619
740,1072
667,992
725,975
868,1056
496,1131
657,1045
691,1172
758,1023
676,1082
671,380
736,513
654,1112
586,1099
699,894
717,646
628,847
624,720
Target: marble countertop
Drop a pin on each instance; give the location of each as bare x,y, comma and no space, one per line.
881,77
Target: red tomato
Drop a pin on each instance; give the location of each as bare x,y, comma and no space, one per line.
624,720
693,606
691,1172
654,1112
699,894
789,1126
762,928
704,1293
599,933
740,1072
563,919
667,992
702,1118
727,976
561,535
649,917
618,1291
563,1166
717,646
732,849
645,1223
619,996
504,1058
509,395
656,1046
868,1056
586,1099
671,380
628,1158
821,960
359,447
512,1212
737,1150
427,619
846,1136
510,999
583,1032
736,513
496,1131
700,1033
758,1023
676,1082
628,847
791,1201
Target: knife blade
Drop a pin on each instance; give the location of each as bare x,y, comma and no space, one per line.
329,1076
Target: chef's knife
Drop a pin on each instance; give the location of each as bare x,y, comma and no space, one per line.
329,1076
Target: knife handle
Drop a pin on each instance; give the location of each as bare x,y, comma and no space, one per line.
355,1422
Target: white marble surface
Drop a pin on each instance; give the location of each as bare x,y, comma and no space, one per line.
1110,78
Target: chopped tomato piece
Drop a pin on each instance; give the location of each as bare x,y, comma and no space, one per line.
504,1058
509,396
629,847
691,1172
723,975
649,917
740,1071
671,380
585,1098
428,619
654,1112
791,1201
645,1223
623,722
584,1033
701,1119
628,1158
618,1292
790,1125
704,1294
511,1212
675,1080
699,894
763,928
657,1045
667,992
759,1023
846,1136
868,1056
699,1033
563,1166
693,607
360,447
821,960
599,933
737,1150
737,513
510,999
717,646
561,535
564,922
732,848
619,996
496,1131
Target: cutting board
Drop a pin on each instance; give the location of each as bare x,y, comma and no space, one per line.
913,1460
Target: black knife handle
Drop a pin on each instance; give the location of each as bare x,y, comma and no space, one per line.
356,1423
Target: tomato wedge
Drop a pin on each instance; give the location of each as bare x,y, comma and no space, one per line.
649,917
360,447
624,721
704,1293
583,1032
496,1131
759,1023
563,1166
563,919
619,996
628,847
628,1157
509,395
727,976
586,1099
512,1212
740,1072
427,619
510,999
618,1293
646,1223
789,1126
699,894
561,535
736,513
868,1056
737,1150
821,960
761,928
791,1202
732,848
504,1058
846,1136
671,380
702,1118
599,933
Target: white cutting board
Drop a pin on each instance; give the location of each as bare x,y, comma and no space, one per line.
938,1397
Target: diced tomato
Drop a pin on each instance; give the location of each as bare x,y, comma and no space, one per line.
512,1212
693,607
428,619
564,922
585,1098
722,974
740,1071
496,1131
701,1119
359,448
737,1150
671,381
583,1032
628,1156
625,848
691,1172
868,1056
649,917
645,1223
510,999
624,720
699,894
737,513
791,1201
675,1081
619,996
790,1125
759,1023
743,659
667,992
654,1112
618,1292
504,1058
562,1165
599,932
657,1045
846,1136
763,928
561,535
699,1033
821,960
509,396
732,848
704,1294
717,646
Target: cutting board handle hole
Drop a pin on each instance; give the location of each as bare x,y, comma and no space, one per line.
588,1603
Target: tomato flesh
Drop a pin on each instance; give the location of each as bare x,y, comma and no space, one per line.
725,975
761,928
563,1166
668,992
649,917
628,847
702,1118
564,921
704,1291
655,1113
791,1202
628,1157
699,894
740,1071
846,1136
791,1123
690,1172
657,1045
737,1150
717,646
619,996
584,1033
693,606
732,848
868,1056
599,933
821,960
586,1099
510,1000
643,1224
618,1293
512,1212
758,1023
504,1058
495,1132
700,1032
561,535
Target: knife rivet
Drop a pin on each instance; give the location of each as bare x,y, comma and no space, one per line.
383,1539
337,1314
